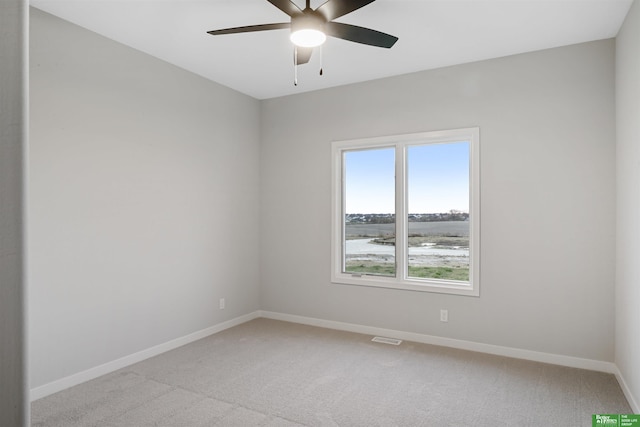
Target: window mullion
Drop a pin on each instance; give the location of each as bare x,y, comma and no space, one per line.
401,215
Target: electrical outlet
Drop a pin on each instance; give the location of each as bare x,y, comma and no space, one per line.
444,315
222,304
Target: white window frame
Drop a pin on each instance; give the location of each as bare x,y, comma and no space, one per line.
402,281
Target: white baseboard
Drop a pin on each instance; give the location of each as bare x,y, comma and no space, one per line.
75,379
627,392
555,359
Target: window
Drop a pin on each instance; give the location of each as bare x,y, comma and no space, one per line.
406,212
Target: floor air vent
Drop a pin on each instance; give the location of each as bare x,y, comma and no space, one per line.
383,340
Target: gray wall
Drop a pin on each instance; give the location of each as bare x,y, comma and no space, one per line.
13,136
547,131
628,202
143,201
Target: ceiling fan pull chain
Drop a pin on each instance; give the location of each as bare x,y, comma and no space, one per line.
295,65
320,59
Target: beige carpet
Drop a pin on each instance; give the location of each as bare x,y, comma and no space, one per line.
271,373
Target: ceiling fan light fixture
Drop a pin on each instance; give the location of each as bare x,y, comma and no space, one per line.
308,37
307,30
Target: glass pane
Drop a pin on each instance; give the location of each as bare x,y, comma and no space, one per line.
438,215
369,212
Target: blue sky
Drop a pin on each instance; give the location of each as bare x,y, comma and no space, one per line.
438,177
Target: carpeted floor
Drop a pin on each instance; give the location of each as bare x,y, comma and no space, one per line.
278,374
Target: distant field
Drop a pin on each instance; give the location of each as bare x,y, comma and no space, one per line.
446,273
441,228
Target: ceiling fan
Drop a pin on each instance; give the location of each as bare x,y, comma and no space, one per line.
310,27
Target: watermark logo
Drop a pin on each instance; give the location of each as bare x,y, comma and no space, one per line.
605,420
618,420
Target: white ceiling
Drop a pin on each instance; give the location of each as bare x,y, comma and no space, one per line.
432,34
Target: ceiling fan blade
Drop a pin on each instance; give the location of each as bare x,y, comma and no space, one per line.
304,55
333,9
287,6
250,28
362,35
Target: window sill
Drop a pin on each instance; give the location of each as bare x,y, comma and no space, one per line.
419,285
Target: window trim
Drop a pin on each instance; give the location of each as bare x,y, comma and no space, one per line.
399,142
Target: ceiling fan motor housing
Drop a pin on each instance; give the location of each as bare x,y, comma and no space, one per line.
308,20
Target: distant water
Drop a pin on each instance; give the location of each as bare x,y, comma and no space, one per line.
364,247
